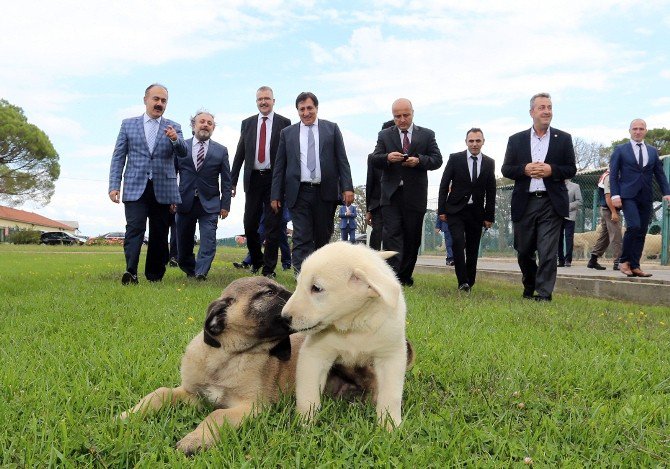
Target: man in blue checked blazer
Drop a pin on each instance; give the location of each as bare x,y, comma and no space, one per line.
633,167
205,189
146,147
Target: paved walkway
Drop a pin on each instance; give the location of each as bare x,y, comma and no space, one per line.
577,279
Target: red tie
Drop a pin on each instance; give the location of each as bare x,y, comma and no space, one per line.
405,142
261,142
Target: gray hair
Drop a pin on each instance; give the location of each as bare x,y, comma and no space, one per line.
538,95
197,113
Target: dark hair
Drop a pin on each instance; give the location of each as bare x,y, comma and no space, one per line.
474,129
388,124
303,97
146,92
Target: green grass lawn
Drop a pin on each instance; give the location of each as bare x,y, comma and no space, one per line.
577,382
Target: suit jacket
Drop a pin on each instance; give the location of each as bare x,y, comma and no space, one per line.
335,170
347,221
373,188
457,177
628,181
246,147
214,173
574,199
132,151
415,180
561,158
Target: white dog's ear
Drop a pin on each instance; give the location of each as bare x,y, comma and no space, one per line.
387,254
379,285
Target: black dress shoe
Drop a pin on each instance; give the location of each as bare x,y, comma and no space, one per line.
542,298
201,277
594,265
528,293
464,287
240,265
615,266
408,282
127,278
561,264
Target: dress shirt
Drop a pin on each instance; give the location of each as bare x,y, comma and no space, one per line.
194,150
538,152
305,174
268,132
636,151
479,167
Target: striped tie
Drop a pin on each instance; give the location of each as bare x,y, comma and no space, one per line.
201,156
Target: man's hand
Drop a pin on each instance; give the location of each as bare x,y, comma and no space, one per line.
616,202
411,162
233,191
276,205
171,133
368,218
114,196
348,197
537,170
615,217
223,214
395,157
487,224
667,197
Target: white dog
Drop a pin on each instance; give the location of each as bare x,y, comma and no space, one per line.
351,307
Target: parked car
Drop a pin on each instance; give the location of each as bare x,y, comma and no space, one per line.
113,237
59,237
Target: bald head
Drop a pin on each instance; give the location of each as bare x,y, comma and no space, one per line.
403,113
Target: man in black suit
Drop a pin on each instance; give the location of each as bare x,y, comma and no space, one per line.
257,148
373,191
311,173
405,153
467,201
539,160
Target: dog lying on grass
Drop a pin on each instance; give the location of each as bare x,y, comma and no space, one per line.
349,304
243,360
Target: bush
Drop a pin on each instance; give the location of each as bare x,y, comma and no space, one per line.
25,237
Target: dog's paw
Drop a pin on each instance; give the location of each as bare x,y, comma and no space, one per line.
192,443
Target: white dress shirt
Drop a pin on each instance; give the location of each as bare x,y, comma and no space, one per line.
538,152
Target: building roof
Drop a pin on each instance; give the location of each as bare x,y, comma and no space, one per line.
13,214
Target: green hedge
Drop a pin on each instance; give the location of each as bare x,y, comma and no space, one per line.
24,237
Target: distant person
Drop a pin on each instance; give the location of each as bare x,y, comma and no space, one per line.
567,235
405,153
348,222
633,167
257,150
610,226
284,247
311,174
204,184
466,201
146,147
443,227
539,160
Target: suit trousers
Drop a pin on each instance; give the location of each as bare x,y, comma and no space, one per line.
158,214
402,233
566,241
376,232
609,235
173,236
348,234
257,203
207,222
538,232
638,214
466,232
313,223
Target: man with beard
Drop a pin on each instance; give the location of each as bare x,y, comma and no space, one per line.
146,147
204,186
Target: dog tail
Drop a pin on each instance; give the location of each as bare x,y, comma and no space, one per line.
410,355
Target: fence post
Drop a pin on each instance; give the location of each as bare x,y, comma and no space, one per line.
665,220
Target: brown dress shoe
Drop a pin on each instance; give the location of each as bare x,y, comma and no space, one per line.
640,273
624,268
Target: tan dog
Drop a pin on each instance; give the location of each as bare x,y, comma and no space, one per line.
242,360
351,307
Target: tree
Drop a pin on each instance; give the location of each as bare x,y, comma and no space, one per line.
590,155
28,161
659,138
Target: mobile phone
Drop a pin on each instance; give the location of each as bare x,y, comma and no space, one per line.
405,156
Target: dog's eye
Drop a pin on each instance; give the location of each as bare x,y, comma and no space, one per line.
270,293
316,289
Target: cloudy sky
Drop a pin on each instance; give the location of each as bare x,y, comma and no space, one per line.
78,68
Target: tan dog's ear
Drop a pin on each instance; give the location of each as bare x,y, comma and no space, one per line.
379,285
387,254
215,322
282,350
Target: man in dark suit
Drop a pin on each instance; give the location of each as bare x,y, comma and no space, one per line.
310,175
539,160
204,186
257,149
467,201
405,153
373,191
146,147
633,167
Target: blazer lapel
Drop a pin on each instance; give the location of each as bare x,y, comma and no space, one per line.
140,127
253,128
189,152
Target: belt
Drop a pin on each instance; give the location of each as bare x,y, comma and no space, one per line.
539,194
310,184
263,171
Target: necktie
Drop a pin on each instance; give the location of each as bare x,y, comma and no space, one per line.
261,142
405,142
152,131
201,156
640,161
311,153
474,168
